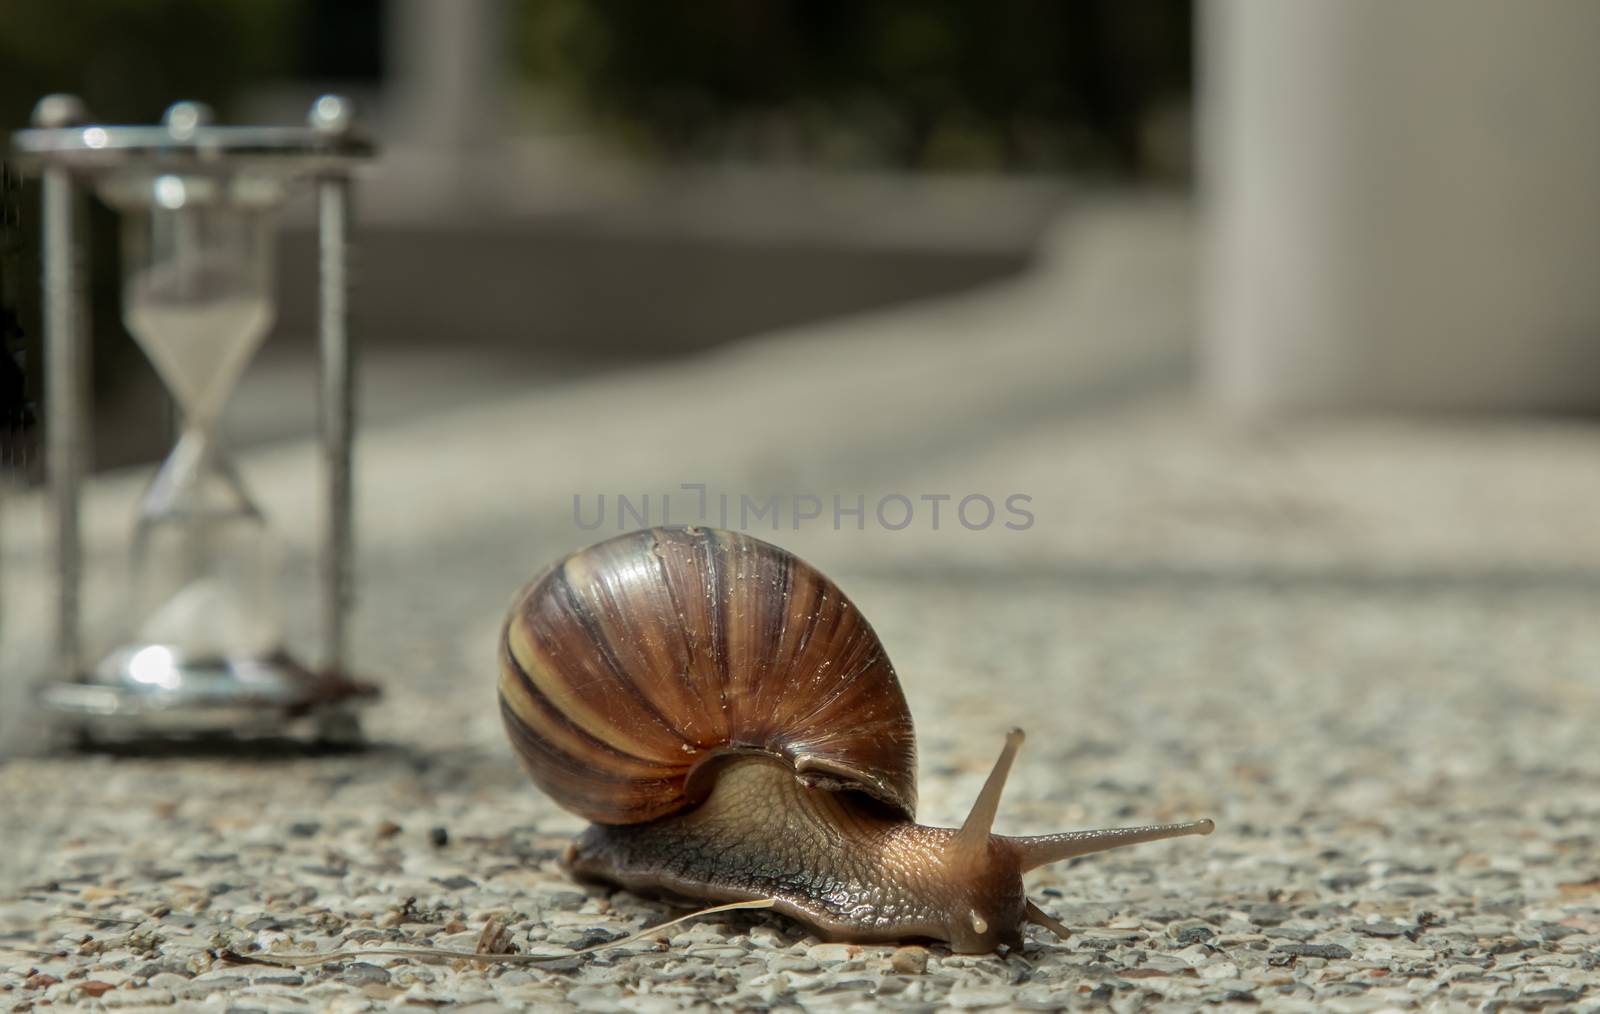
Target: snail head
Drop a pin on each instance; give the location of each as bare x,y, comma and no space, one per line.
985,869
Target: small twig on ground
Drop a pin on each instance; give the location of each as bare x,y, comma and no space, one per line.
106,919
442,953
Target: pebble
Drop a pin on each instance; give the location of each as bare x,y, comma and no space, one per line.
1382,929
909,960
831,953
141,999
1267,914
979,998
1190,931
361,973
1314,950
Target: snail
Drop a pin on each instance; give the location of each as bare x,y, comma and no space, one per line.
732,727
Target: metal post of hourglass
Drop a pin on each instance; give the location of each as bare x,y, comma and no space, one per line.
331,117
125,693
66,364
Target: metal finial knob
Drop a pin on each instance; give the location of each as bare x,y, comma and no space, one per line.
331,114
60,110
182,118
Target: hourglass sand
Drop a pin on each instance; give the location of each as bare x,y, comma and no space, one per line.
202,647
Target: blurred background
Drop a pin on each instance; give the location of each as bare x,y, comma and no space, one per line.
1214,285
573,187
1402,209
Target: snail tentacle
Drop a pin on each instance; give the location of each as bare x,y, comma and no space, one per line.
1042,850
1039,917
971,843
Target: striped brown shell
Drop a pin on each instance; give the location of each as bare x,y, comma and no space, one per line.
630,667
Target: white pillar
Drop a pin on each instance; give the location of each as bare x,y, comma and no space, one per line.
1403,202
443,103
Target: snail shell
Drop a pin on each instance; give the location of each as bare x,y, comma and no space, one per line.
631,668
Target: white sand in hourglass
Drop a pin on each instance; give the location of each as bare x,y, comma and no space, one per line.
210,618
199,348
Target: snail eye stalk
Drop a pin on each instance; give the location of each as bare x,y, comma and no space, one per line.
971,844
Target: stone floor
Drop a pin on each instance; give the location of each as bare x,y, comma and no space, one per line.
1366,648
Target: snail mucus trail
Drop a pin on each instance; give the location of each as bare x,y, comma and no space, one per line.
734,730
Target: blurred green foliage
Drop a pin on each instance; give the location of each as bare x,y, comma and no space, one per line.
1019,84
130,59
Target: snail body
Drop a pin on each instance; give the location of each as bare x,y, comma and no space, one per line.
732,726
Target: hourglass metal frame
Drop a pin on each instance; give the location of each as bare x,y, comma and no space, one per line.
73,156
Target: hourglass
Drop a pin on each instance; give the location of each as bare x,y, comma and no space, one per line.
202,647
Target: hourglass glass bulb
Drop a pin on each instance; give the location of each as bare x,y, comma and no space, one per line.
197,296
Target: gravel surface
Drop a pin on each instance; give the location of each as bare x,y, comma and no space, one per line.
1366,649
1398,826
